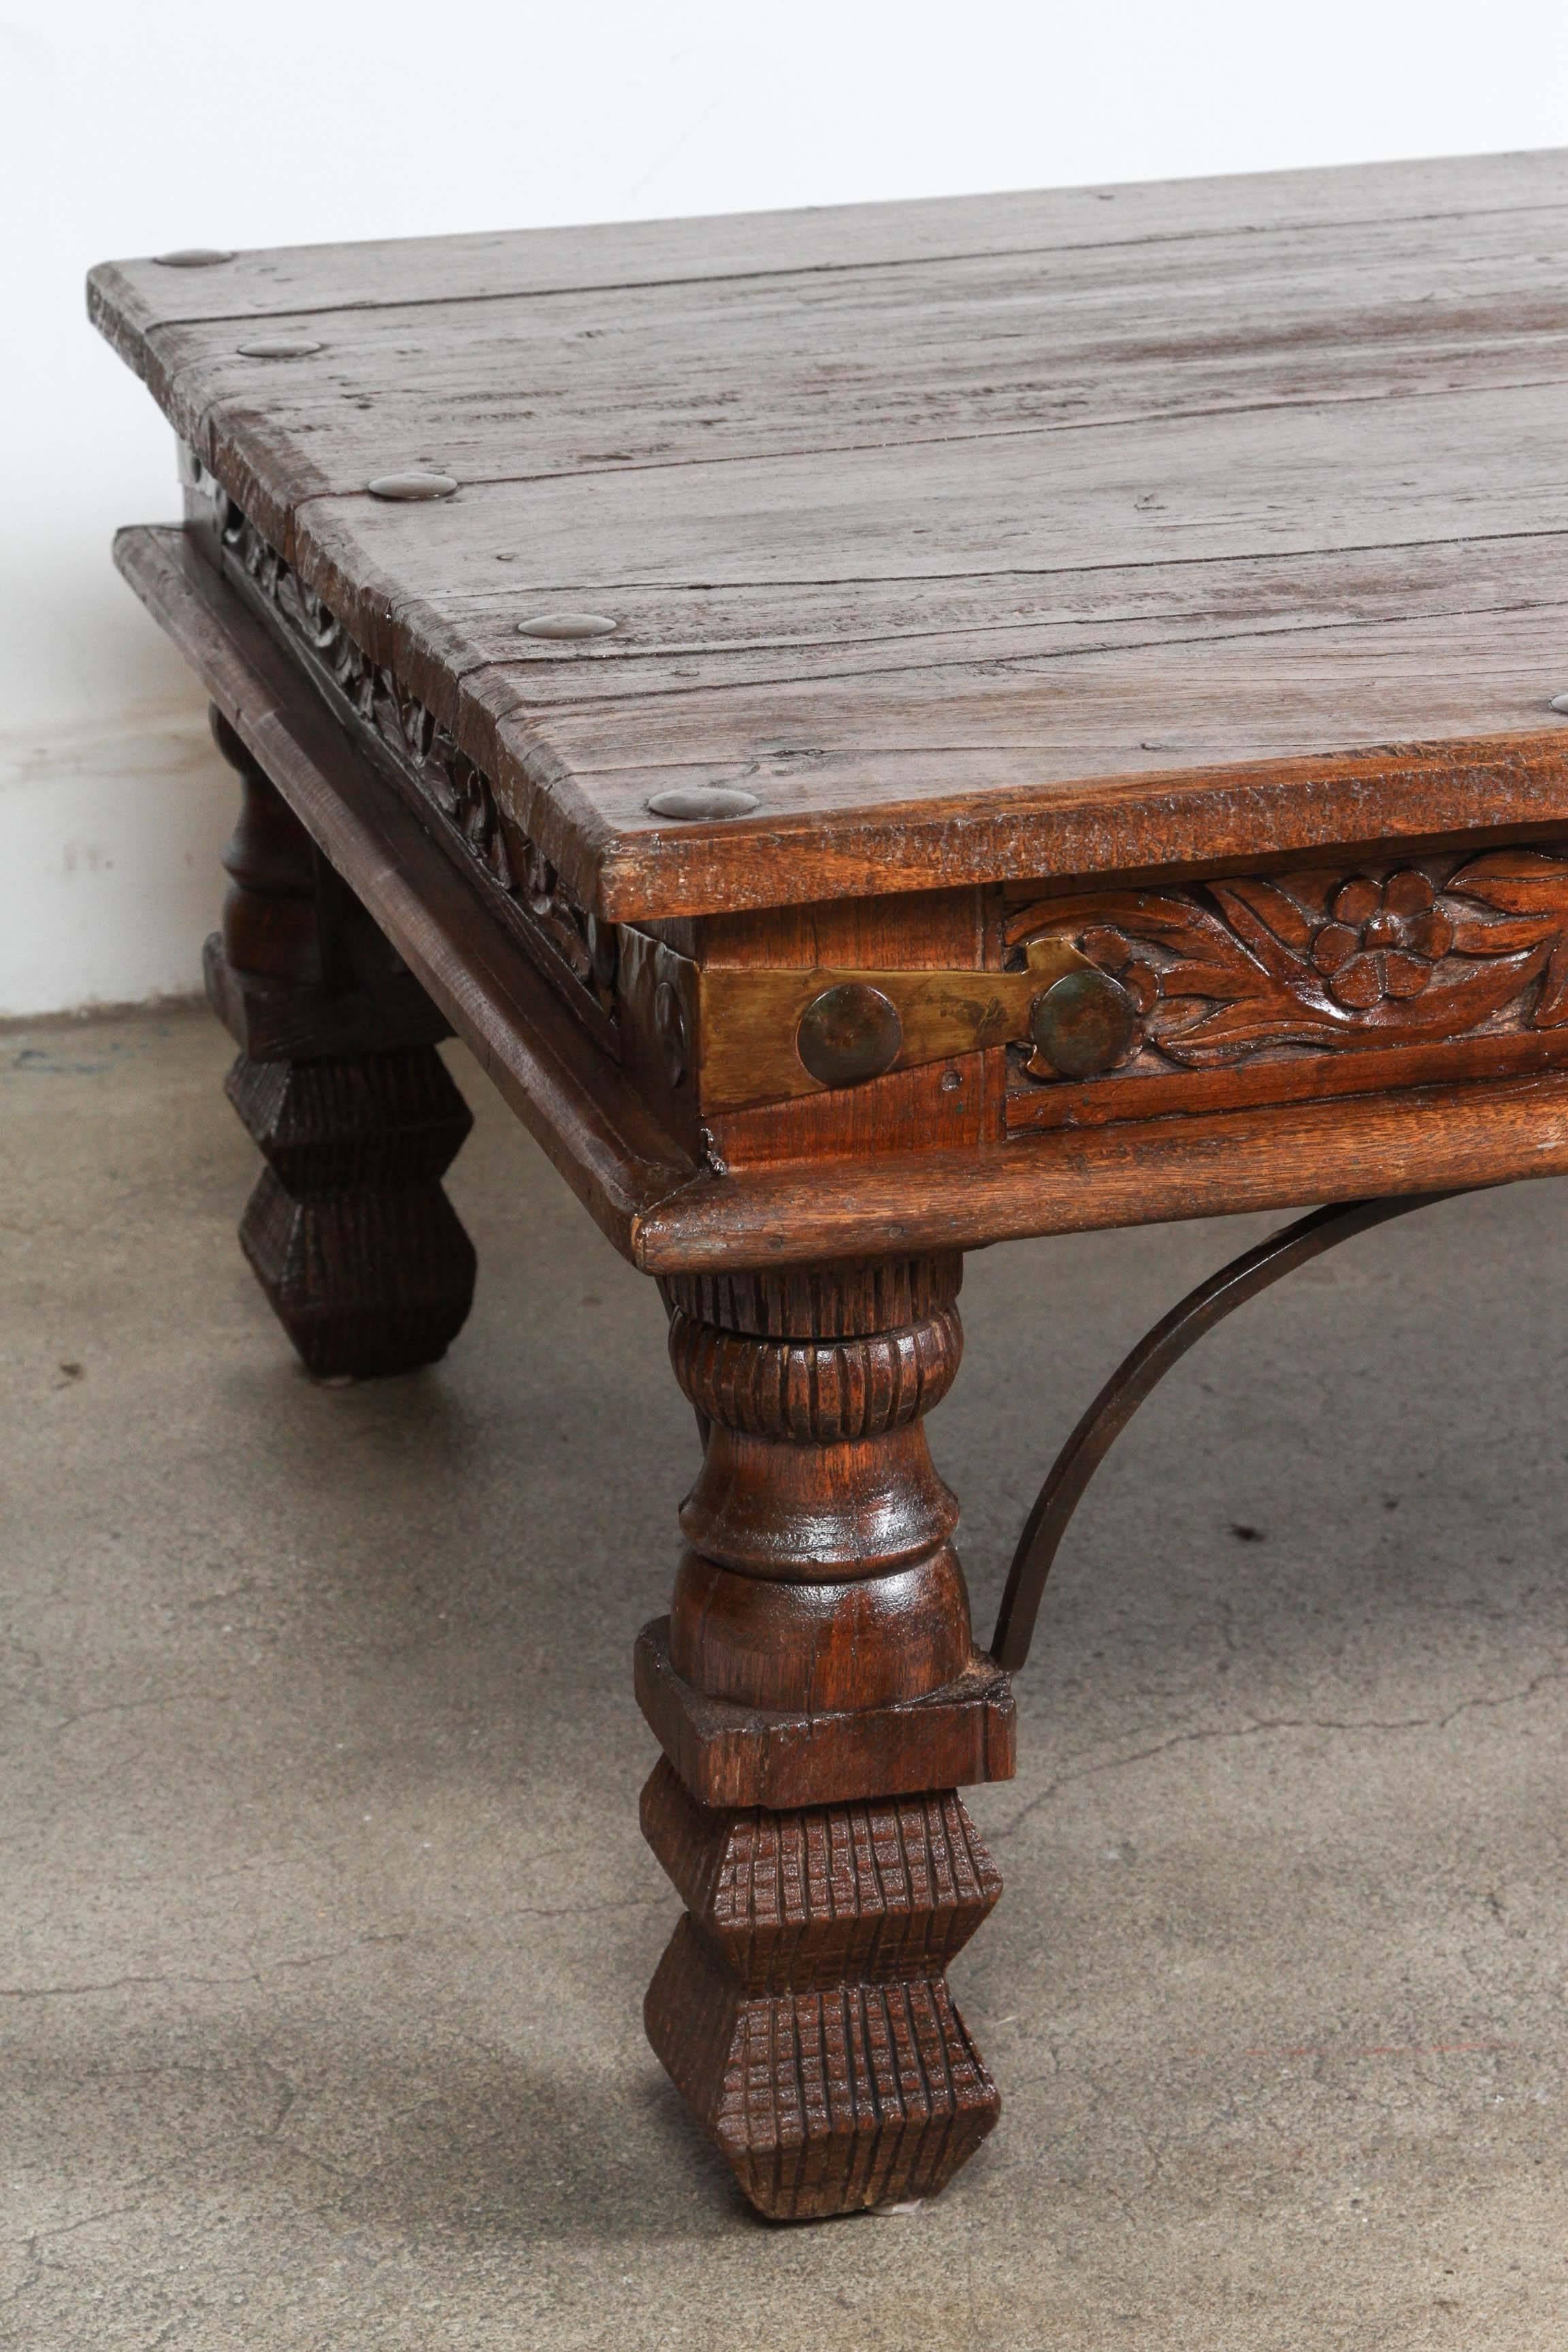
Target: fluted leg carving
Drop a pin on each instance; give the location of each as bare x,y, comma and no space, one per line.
817,1695
349,1232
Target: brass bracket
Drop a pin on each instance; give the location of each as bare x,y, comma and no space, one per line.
754,1026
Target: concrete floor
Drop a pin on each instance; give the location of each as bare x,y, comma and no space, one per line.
325,1917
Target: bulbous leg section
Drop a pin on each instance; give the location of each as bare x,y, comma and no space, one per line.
817,1692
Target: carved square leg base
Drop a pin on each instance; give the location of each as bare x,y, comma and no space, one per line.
365,1286
349,1232
801,2007
785,1756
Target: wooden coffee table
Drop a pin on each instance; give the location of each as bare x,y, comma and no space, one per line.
885,729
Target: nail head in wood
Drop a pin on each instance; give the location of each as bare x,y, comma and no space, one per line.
412,486
192,257
849,1033
691,803
566,628
279,347
1084,1023
1559,702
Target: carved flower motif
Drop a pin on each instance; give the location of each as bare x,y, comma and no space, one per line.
1112,951
1382,939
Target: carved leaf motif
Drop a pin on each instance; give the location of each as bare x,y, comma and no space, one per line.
1533,889
1276,929
1551,1009
1441,1011
1323,959
1209,961
1519,881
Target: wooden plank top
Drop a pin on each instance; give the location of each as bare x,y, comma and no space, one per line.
1019,535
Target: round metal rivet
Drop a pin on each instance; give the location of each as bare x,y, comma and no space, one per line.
412,486
669,1028
849,1033
690,802
1084,1023
191,256
279,347
566,627
1559,702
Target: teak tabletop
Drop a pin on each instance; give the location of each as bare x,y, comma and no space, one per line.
910,519
888,728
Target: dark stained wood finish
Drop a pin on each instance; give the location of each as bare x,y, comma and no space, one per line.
909,518
1413,1140
1177,576
1261,987
801,2007
595,1127
1488,1125
743,1754
273,1022
819,2047
349,1232
818,1574
356,1246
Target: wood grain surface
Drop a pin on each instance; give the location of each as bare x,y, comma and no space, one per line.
998,537
1169,580
667,1212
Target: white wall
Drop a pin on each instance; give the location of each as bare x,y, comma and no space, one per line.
130,128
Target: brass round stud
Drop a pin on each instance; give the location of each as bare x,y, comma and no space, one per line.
849,1033
279,347
566,628
1084,1023
691,803
412,486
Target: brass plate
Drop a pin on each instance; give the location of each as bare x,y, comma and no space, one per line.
748,1020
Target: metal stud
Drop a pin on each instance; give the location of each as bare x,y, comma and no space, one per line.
412,486
1083,1023
191,256
691,803
849,1033
566,627
1559,702
279,347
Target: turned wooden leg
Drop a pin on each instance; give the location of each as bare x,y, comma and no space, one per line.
349,1232
819,1701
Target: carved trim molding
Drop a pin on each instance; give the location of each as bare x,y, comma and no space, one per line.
448,783
816,1391
1423,951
